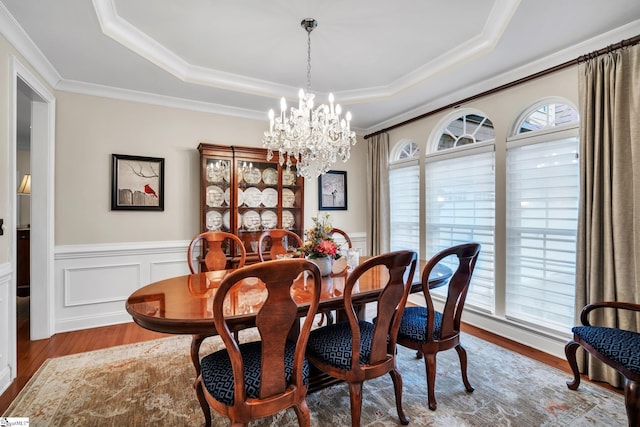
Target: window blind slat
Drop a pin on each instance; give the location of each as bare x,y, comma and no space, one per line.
404,189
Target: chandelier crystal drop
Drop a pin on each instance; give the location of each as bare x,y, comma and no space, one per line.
316,138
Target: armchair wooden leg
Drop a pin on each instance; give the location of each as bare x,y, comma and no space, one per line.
355,396
303,414
397,386
430,365
632,402
570,352
462,355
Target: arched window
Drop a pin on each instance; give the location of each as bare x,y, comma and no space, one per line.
542,175
546,114
404,195
460,195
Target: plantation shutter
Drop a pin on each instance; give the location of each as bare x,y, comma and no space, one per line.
542,216
404,190
460,208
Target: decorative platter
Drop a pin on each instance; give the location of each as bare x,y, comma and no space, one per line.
226,220
288,198
215,196
214,221
252,197
288,220
269,220
240,197
252,176
270,176
251,220
269,198
288,177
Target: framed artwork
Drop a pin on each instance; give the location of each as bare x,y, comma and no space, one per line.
137,183
332,191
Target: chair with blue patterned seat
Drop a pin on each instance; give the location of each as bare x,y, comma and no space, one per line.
356,350
615,347
261,378
428,331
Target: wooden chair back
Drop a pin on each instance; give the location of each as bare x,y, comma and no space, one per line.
214,254
275,320
272,242
343,235
401,267
467,256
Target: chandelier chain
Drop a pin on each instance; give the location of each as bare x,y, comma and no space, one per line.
308,61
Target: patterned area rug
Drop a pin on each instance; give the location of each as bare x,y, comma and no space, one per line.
150,383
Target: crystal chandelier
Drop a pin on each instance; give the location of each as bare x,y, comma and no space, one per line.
316,138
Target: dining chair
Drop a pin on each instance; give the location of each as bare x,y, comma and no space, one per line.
261,378
213,255
618,348
343,235
428,331
357,350
276,237
213,258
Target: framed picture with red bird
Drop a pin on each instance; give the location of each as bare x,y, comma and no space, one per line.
137,183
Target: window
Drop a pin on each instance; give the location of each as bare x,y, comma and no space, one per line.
542,216
460,197
404,189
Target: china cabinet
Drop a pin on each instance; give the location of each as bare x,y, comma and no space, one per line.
244,194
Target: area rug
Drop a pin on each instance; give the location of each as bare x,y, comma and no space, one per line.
150,384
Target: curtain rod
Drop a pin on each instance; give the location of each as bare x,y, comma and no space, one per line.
628,42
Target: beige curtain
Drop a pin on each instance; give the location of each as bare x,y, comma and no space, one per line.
608,253
378,194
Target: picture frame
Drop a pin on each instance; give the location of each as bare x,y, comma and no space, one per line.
137,183
332,191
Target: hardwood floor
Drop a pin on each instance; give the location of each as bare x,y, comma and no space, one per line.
32,354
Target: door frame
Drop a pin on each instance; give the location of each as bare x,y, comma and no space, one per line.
42,283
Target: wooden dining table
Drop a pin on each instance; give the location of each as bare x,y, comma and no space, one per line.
183,304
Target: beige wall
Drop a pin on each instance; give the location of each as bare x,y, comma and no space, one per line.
89,129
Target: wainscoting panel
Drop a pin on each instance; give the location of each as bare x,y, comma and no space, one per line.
92,282
6,324
97,285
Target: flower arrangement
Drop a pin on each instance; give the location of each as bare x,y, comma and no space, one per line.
318,243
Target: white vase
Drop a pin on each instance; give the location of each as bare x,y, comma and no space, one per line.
324,264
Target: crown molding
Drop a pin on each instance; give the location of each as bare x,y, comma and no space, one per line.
18,38
123,32
155,99
614,36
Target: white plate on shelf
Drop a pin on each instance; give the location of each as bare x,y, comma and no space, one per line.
252,176
214,221
251,220
288,177
215,171
226,220
240,197
288,220
227,196
252,197
288,198
215,196
270,176
269,220
269,198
